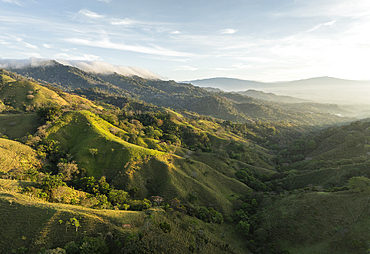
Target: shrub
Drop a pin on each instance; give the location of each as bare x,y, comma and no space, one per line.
88,245
165,227
359,183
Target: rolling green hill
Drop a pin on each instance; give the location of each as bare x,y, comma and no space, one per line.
16,126
16,156
30,225
318,222
80,131
26,95
128,164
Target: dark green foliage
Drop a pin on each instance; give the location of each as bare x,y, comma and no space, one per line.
91,185
88,245
154,240
1,77
118,197
255,183
192,198
165,227
102,202
205,214
106,196
51,150
49,113
359,183
139,205
51,182
134,191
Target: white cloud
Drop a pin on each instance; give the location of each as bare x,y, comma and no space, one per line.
241,66
236,66
3,42
24,44
228,31
329,8
255,59
330,23
105,1
12,2
221,69
145,25
123,22
28,45
47,46
83,57
90,14
105,43
186,68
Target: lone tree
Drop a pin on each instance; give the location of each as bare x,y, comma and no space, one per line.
75,223
68,169
93,151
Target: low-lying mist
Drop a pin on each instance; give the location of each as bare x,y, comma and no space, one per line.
88,66
106,68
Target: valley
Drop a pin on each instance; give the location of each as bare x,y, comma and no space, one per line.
107,163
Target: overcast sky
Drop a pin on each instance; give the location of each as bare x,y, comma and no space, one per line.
264,40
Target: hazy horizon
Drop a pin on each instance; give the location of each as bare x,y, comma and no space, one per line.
317,89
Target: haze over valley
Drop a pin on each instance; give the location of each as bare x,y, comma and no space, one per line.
320,89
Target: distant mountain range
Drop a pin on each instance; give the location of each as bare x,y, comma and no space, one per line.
271,96
229,84
185,96
320,89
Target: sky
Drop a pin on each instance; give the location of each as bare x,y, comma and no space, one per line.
262,40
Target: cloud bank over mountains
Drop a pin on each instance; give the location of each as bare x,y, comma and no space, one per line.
88,66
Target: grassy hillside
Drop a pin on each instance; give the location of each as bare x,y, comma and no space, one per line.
27,95
39,223
80,131
327,177
129,165
173,176
16,126
29,225
16,156
319,222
